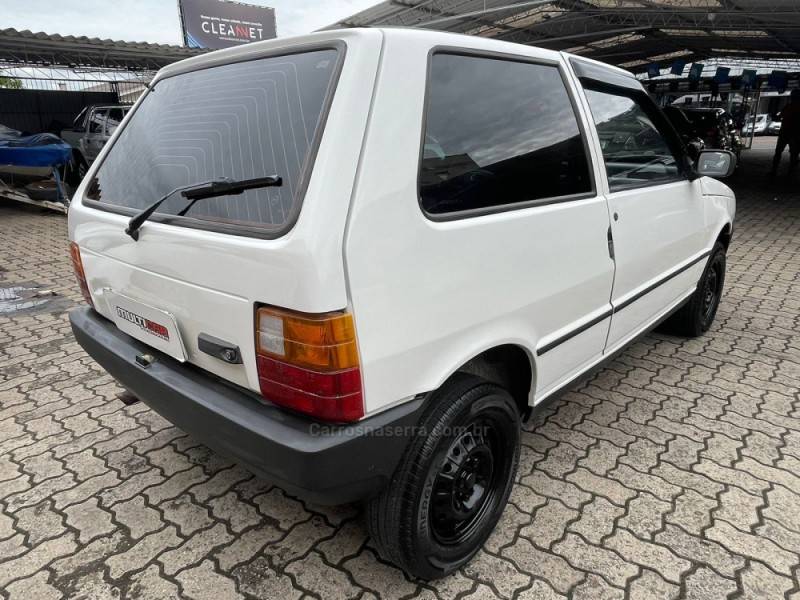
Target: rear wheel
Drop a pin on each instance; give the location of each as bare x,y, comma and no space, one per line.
453,482
697,315
77,169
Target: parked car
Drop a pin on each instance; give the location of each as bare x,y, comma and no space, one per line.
693,143
363,299
90,131
756,125
714,126
774,127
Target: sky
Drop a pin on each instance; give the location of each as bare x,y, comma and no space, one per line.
156,20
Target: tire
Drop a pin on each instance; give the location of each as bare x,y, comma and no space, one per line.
42,190
697,315
453,482
77,169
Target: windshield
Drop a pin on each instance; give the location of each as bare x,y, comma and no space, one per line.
238,121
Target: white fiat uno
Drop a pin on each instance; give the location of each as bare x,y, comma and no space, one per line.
354,261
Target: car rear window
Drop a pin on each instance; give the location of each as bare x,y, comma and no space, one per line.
239,121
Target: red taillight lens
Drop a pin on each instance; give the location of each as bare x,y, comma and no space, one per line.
309,363
77,265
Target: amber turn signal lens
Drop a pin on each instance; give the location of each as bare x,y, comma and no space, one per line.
309,363
80,275
325,342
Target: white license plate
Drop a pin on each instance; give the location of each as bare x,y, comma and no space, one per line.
154,327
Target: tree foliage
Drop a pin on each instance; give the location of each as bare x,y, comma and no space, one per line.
10,83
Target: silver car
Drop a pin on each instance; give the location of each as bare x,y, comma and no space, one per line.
90,131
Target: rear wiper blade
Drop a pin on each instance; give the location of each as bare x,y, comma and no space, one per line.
199,191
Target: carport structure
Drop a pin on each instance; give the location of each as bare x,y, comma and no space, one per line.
59,75
629,33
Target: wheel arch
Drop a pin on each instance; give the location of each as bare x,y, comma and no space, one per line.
725,235
509,365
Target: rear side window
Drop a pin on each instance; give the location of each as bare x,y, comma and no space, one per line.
635,151
498,132
237,121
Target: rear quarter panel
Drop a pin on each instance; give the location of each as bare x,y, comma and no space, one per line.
430,295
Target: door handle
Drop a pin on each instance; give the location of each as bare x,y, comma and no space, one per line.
610,244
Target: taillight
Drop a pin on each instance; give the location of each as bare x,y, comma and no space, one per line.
309,363
80,275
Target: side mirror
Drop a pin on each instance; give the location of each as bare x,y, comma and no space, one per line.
716,163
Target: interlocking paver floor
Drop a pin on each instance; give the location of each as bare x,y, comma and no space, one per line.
673,472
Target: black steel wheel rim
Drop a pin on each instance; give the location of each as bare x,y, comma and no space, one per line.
469,481
711,293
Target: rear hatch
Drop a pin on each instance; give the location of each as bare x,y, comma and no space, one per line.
296,109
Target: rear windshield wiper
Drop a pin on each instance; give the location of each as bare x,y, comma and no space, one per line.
199,191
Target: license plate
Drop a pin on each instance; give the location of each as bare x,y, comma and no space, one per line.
154,327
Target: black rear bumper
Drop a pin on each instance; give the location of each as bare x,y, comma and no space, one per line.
327,464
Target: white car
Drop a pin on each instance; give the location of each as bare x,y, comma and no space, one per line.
355,261
756,125
774,128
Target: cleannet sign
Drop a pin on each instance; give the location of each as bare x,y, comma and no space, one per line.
218,24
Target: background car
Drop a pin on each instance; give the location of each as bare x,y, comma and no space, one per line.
756,125
774,127
702,128
90,131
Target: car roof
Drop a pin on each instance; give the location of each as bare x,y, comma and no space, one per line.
424,37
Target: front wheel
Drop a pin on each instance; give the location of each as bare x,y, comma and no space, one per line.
453,481
697,315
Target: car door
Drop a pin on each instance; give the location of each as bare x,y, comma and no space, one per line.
658,227
96,136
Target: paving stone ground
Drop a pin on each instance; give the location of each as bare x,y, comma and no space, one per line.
674,472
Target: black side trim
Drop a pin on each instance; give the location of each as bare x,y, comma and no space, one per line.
588,373
574,332
662,281
578,330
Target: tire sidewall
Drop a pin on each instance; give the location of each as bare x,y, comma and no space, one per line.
445,558
718,257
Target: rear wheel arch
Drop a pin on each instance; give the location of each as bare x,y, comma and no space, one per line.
509,366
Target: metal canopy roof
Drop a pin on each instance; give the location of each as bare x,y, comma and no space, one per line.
628,33
25,48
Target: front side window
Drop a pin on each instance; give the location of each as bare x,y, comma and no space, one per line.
498,132
635,151
237,121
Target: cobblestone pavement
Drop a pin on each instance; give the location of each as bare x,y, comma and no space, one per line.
673,472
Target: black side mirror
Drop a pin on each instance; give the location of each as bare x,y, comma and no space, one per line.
716,163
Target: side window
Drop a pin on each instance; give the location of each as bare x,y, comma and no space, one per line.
634,150
498,132
114,119
97,120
